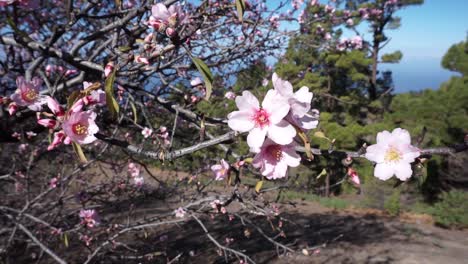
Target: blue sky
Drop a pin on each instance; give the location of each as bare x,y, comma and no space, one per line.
426,33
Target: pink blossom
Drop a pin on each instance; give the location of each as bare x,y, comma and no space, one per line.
350,22
230,95
356,42
80,127
96,97
265,82
108,69
273,159
89,218
140,59
139,181
133,169
27,94
146,132
220,170
58,139
180,212
266,120
299,101
393,154
53,182
161,16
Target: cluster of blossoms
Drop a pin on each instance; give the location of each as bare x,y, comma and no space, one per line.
162,134
75,124
89,218
165,20
272,126
353,43
134,172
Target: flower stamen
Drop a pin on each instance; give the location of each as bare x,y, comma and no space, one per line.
79,129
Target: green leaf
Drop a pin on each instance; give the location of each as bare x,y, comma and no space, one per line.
306,141
258,186
240,5
207,75
79,151
65,239
110,100
135,117
322,173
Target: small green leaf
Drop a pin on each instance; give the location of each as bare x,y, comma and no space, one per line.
258,186
125,49
322,173
110,100
207,75
240,5
306,141
65,239
135,117
79,151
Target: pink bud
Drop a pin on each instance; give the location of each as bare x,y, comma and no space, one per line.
49,123
12,108
109,68
141,59
170,32
55,107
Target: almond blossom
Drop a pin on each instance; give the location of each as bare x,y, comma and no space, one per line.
273,159
146,132
88,218
162,17
180,212
266,120
300,103
27,94
80,127
393,154
220,170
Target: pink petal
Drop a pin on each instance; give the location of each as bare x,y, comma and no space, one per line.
401,136
247,102
240,121
376,153
383,137
282,87
276,106
282,133
383,171
403,171
256,138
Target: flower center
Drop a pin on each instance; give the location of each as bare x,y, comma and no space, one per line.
261,118
29,96
79,129
275,151
392,155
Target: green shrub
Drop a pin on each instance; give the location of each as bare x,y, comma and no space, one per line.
452,209
392,204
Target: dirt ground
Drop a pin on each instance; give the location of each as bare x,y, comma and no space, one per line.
317,235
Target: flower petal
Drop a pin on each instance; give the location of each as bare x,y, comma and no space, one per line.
247,102
383,137
276,106
281,86
383,171
256,138
240,121
376,153
401,136
403,171
282,133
